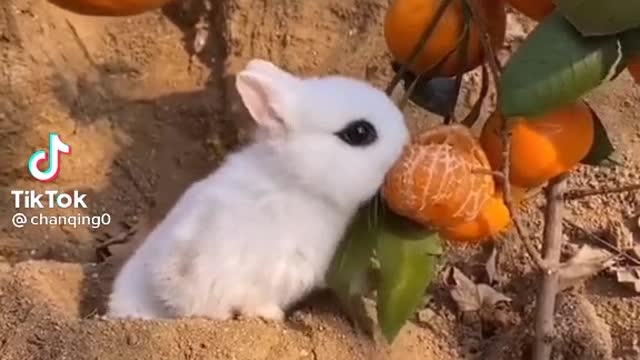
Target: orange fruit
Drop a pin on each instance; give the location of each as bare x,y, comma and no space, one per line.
406,20
109,7
633,65
436,180
492,220
535,9
542,147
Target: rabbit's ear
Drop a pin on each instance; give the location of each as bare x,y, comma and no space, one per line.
266,90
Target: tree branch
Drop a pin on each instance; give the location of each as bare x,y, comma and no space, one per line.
485,39
494,66
521,233
552,249
603,242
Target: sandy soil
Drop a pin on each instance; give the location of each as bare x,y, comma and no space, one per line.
146,116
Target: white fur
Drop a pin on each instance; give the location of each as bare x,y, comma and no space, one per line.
258,234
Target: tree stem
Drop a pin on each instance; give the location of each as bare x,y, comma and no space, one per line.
552,249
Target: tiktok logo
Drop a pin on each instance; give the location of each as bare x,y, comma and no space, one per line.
56,147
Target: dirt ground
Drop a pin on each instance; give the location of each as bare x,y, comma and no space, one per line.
146,115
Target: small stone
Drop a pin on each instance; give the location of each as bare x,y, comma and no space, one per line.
132,339
426,315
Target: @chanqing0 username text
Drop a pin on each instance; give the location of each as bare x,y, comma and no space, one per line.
19,220
29,199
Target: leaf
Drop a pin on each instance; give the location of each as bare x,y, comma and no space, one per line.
600,17
471,297
465,292
406,230
584,264
631,42
491,267
347,275
407,267
554,66
602,149
629,276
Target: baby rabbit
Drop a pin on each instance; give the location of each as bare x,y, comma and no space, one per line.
258,233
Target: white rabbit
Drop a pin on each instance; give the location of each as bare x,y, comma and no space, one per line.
258,234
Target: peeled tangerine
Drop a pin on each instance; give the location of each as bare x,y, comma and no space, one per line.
492,219
439,179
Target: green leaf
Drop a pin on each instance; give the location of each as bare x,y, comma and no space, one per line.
555,66
348,272
602,150
630,42
601,17
407,267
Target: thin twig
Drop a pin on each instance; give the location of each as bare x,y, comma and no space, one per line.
485,39
552,249
522,234
497,174
506,137
405,98
123,237
474,113
463,56
602,242
582,193
81,43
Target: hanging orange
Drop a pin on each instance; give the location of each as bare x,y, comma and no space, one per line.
406,20
109,7
493,219
535,9
542,147
438,180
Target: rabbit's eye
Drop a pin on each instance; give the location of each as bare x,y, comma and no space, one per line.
358,133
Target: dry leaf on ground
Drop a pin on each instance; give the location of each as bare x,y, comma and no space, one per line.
470,296
587,262
629,276
491,266
635,252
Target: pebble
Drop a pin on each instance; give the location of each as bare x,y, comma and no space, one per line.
4,266
426,315
132,339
